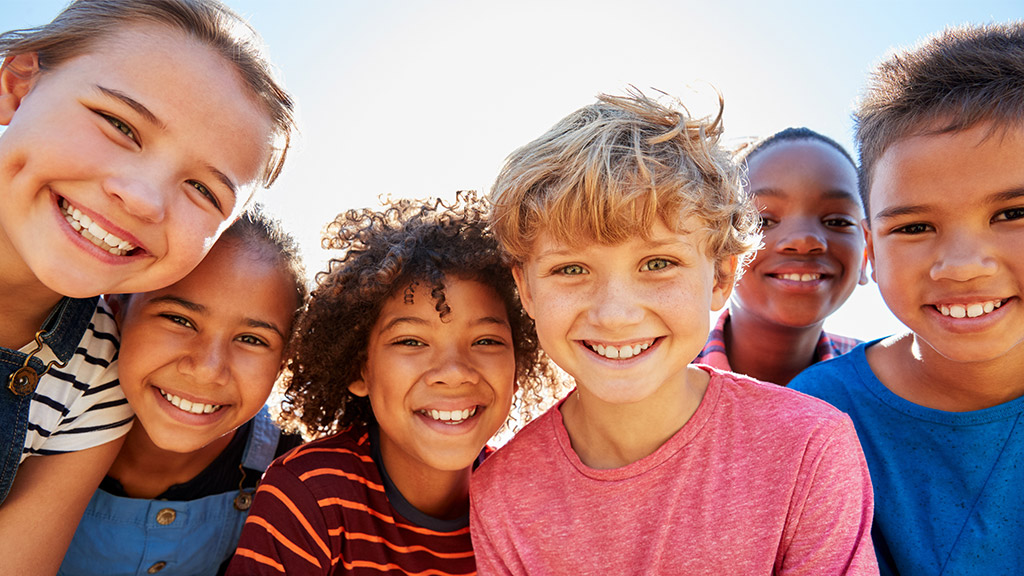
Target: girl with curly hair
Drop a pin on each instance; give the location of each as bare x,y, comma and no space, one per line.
405,363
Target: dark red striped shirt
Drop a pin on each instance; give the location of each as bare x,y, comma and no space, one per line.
328,508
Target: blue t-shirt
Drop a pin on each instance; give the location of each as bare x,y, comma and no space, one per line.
949,486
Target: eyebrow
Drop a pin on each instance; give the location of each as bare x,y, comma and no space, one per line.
415,320
152,119
133,104
833,194
910,209
200,309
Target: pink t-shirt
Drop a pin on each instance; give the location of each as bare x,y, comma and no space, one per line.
761,480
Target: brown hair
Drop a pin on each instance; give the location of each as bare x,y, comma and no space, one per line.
85,22
608,171
384,253
952,81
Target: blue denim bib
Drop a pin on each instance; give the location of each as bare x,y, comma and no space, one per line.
121,535
64,329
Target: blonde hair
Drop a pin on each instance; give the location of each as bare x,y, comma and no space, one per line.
84,22
609,171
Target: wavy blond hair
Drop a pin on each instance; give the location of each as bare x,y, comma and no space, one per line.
609,171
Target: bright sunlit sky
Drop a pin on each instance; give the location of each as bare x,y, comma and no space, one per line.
415,98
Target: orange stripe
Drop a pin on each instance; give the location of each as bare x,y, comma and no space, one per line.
283,540
361,507
260,558
270,489
408,549
335,472
389,567
303,450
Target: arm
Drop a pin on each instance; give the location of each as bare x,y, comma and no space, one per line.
829,529
285,532
46,502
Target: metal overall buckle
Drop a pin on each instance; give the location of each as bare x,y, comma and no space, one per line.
23,381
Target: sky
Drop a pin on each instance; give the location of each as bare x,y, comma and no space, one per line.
420,99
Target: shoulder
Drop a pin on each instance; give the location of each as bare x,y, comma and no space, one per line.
837,379
348,448
535,444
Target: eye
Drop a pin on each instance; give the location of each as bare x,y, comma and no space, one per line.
570,270
203,190
411,342
656,264
767,222
1011,214
180,320
838,222
488,342
121,126
253,340
913,229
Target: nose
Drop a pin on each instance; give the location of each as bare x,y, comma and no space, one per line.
615,302
139,194
205,361
962,257
452,367
801,236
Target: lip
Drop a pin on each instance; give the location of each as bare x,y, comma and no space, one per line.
467,425
137,253
187,417
621,362
968,324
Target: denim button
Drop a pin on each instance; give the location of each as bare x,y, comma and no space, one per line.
165,517
156,567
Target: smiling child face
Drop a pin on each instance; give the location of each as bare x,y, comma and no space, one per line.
125,162
439,388
813,254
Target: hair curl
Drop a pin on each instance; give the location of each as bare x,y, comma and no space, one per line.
608,171
953,81
385,253
84,22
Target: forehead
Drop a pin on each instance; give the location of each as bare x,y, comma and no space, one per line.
692,234
949,172
204,109
466,298
795,167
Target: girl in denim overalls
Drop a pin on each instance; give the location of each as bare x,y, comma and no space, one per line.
198,361
133,131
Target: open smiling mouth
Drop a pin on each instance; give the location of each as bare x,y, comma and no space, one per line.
972,310
797,277
620,352
451,417
189,406
93,232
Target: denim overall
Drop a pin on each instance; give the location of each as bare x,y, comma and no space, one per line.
63,330
121,535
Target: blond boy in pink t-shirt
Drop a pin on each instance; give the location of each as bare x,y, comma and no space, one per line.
626,226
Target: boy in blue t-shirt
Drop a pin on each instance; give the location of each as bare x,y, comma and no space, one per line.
938,410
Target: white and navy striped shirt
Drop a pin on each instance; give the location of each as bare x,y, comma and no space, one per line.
81,405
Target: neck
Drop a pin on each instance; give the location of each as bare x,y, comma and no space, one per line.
145,470
25,303
767,351
916,372
607,435
442,494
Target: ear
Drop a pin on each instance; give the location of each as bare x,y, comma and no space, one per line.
523,285
17,76
869,253
359,388
724,285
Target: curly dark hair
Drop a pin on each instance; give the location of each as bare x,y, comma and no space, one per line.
384,253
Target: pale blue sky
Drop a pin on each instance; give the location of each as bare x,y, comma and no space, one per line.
416,98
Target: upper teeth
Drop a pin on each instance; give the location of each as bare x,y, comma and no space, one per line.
451,416
93,232
627,351
800,277
189,406
969,310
